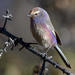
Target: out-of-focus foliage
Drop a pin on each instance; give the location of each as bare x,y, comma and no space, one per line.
62,14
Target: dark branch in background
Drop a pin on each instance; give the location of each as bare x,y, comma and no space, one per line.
17,40
43,66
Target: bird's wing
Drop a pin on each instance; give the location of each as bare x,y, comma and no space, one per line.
50,26
58,39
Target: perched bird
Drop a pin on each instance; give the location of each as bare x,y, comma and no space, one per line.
44,32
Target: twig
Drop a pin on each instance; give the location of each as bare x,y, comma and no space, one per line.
43,66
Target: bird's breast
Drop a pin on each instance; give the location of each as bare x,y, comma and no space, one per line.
42,34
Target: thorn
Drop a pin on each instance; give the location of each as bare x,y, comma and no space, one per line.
9,16
44,55
21,48
7,11
55,66
1,52
50,57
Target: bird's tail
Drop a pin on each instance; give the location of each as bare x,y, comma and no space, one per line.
62,56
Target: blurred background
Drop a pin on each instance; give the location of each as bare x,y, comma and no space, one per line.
62,14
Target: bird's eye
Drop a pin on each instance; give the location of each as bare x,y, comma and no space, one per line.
36,14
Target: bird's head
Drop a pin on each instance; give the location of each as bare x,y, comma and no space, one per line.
37,12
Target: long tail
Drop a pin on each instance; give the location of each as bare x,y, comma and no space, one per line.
62,56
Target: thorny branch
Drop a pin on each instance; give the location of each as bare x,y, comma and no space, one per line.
17,40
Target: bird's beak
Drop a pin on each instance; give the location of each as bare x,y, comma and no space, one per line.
29,15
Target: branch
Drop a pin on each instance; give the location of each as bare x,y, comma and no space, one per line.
36,52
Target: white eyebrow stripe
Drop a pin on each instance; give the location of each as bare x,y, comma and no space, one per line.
36,12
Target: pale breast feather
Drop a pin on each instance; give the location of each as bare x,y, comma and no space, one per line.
37,33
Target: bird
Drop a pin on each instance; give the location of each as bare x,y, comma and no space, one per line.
44,32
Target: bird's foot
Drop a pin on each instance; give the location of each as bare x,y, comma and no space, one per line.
44,54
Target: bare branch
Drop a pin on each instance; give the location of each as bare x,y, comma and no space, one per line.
36,52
